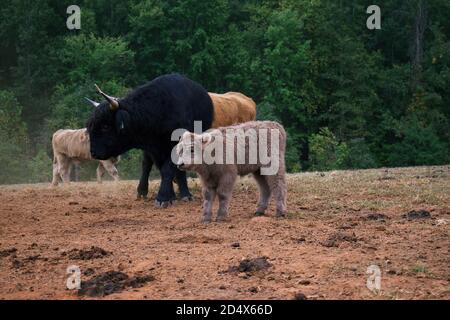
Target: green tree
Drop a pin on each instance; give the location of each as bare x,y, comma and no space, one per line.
308,64
40,167
85,60
326,152
418,145
13,140
130,165
11,123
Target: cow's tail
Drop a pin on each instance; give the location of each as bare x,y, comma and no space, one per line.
53,146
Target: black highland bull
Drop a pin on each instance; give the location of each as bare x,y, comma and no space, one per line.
145,119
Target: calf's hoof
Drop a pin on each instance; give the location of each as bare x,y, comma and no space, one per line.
163,204
186,198
206,220
281,215
259,213
221,219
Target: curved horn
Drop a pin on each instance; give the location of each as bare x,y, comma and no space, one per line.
114,104
95,104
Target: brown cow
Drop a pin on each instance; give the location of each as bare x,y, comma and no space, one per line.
72,147
232,108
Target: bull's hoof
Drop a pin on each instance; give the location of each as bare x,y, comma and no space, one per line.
186,198
142,197
259,213
163,204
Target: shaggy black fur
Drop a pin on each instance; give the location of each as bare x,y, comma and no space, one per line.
146,118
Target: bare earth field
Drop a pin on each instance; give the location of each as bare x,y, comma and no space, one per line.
339,223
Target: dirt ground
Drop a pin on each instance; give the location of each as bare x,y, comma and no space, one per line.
339,223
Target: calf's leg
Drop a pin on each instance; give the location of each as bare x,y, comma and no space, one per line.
208,199
264,193
224,192
277,184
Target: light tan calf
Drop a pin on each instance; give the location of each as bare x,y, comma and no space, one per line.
72,147
219,175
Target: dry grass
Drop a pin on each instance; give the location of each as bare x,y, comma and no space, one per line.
372,190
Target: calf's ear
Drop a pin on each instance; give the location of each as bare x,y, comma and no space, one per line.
122,121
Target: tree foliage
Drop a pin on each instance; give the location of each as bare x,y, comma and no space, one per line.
348,97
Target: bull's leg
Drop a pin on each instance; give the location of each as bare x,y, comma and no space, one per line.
264,193
180,177
166,194
277,184
224,192
142,188
100,172
208,199
111,169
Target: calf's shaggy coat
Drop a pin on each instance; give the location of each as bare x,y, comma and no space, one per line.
72,146
218,178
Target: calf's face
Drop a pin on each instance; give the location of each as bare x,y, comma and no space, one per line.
108,132
190,150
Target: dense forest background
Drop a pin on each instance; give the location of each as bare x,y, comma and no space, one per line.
349,97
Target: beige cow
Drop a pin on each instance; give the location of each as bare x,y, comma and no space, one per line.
72,147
